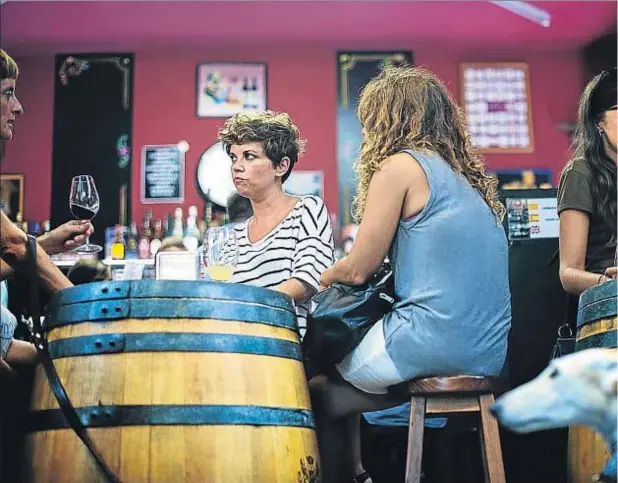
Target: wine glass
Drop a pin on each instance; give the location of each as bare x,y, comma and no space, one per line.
84,204
220,253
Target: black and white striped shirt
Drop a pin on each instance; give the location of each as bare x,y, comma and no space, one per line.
300,247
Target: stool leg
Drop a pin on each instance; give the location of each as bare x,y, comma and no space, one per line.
416,430
490,442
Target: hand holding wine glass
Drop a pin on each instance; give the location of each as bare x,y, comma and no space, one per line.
84,204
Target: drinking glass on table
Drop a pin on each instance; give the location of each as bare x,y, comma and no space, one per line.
84,204
220,253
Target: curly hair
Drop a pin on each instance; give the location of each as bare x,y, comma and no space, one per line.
588,146
410,108
275,130
8,67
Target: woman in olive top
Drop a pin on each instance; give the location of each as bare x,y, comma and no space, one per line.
587,193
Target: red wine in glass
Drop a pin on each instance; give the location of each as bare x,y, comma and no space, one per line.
82,213
84,204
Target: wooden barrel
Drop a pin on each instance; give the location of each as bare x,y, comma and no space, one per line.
596,328
177,382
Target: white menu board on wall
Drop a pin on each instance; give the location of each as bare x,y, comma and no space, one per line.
496,99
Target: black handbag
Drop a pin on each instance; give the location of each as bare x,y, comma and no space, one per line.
340,316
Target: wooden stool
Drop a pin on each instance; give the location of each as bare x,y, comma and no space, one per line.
448,395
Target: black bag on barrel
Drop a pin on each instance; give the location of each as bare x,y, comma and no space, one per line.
341,315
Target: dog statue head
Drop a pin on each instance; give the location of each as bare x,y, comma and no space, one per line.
578,389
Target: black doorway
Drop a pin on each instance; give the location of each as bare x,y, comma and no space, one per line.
93,114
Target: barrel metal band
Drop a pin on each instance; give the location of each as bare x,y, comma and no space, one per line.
173,342
605,340
597,293
176,290
173,415
599,310
169,309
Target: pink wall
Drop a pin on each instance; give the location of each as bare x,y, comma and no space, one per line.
301,81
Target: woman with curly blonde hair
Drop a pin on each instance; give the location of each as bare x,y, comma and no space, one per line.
426,202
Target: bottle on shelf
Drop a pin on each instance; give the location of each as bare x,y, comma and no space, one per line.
132,241
191,238
169,225
255,95
35,229
157,238
118,247
143,246
178,229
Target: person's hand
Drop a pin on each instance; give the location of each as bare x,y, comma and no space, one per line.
611,272
66,237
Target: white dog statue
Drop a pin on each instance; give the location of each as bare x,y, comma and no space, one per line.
578,389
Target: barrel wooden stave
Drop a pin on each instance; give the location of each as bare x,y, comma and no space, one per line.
174,452
165,454
596,328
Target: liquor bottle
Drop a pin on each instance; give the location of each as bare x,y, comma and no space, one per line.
225,219
132,241
35,230
246,93
178,229
207,214
157,238
143,247
255,96
118,247
24,226
169,225
191,238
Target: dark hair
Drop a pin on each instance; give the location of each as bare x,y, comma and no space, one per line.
588,146
239,208
86,271
8,67
278,134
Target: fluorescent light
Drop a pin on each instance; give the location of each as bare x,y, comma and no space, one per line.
526,10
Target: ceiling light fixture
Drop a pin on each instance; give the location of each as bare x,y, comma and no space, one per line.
526,10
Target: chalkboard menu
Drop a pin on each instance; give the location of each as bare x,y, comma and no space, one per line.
163,174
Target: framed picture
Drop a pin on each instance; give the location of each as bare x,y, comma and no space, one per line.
227,89
12,194
496,99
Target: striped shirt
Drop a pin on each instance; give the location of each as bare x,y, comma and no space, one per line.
300,247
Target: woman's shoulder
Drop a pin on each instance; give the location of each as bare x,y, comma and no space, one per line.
311,203
577,167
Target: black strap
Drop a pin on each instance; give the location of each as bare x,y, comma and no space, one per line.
54,381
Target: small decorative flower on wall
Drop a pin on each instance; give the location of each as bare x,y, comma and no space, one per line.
71,67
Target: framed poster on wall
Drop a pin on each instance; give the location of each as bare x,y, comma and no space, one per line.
496,99
354,70
162,174
227,89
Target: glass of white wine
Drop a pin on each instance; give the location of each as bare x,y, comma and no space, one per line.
220,253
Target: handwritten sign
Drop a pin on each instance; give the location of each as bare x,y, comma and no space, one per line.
162,174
